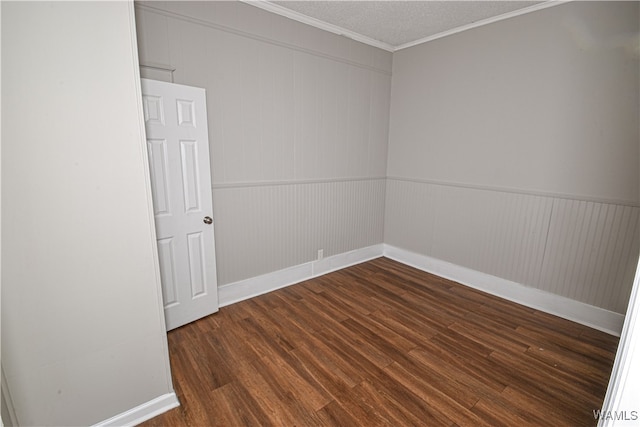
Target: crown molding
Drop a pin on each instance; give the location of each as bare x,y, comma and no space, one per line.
508,15
296,16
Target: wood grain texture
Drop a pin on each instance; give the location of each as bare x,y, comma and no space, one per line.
383,344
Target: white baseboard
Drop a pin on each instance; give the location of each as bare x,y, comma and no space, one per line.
589,315
249,288
346,259
143,412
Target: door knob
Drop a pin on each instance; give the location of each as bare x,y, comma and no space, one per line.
207,220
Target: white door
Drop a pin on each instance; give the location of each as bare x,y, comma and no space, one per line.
177,140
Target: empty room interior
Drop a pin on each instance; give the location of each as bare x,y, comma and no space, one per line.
405,213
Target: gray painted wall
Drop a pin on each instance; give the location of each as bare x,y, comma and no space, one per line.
298,126
544,102
83,335
540,187
514,150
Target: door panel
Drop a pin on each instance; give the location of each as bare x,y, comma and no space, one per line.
178,147
190,176
158,166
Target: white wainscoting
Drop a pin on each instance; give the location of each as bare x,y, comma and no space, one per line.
583,250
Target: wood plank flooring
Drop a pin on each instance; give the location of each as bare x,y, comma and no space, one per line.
383,344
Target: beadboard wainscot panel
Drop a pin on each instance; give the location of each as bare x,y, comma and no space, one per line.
592,252
499,233
265,228
584,250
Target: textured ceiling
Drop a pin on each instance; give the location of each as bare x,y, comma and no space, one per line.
398,23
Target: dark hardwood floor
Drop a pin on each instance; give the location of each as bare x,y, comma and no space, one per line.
381,343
